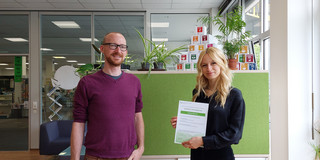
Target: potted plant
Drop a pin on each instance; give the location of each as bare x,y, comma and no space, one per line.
128,60
147,62
90,68
163,54
233,36
316,147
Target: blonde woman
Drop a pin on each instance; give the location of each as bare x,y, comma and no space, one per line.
226,109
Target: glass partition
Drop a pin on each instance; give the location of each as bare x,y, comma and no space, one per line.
65,41
14,35
174,29
14,84
14,96
126,25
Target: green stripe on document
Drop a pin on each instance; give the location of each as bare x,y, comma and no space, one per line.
193,113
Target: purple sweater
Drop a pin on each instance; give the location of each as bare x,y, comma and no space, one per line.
109,107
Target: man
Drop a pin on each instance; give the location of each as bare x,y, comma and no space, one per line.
110,102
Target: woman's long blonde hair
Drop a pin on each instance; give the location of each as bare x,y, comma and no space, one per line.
223,82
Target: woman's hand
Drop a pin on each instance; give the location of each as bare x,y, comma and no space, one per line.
193,143
173,122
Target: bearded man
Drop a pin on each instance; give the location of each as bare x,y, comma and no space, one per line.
110,102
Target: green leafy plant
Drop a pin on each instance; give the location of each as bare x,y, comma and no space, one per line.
316,147
91,68
163,55
232,37
317,150
129,59
148,50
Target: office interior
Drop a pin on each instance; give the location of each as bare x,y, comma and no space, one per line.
286,34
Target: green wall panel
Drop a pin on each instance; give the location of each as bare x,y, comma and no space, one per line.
161,95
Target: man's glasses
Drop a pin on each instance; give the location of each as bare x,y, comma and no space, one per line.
114,46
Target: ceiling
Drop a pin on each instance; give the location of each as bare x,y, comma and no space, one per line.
67,40
106,4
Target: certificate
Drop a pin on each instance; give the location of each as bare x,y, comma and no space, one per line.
192,120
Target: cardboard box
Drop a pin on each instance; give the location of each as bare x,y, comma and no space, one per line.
252,66
187,66
179,67
195,39
194,66
244,49
193,57
184,58
201,47
208,38
193,48
210,45
241,58
244,66
249,58
201,30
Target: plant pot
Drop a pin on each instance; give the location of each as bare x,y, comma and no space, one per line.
145,66
232,63
97,65
158,65
125,66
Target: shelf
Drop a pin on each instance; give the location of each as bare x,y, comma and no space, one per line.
192,72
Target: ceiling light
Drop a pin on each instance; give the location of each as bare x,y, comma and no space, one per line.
161,45
81,64
160,24
88,39
55,63
66,24
159,39
4,64
9,68
16,39
102,61
46,49
59,57
72,61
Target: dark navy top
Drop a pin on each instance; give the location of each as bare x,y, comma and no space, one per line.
224,125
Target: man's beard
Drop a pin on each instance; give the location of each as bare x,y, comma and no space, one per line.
112,62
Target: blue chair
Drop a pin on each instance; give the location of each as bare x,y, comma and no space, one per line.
55,136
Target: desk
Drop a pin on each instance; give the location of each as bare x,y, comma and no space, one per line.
65,154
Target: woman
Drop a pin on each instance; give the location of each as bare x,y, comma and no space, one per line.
226,109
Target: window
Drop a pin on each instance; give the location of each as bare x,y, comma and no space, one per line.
257,18
14,35
253,17
174,29
65,40
126,25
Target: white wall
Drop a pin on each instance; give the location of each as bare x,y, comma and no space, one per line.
290,80
316,62
300,79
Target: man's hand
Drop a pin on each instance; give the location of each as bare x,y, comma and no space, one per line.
173,122
136,154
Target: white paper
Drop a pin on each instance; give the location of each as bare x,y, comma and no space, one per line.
192,121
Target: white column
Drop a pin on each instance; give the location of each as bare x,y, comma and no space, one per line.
290,80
